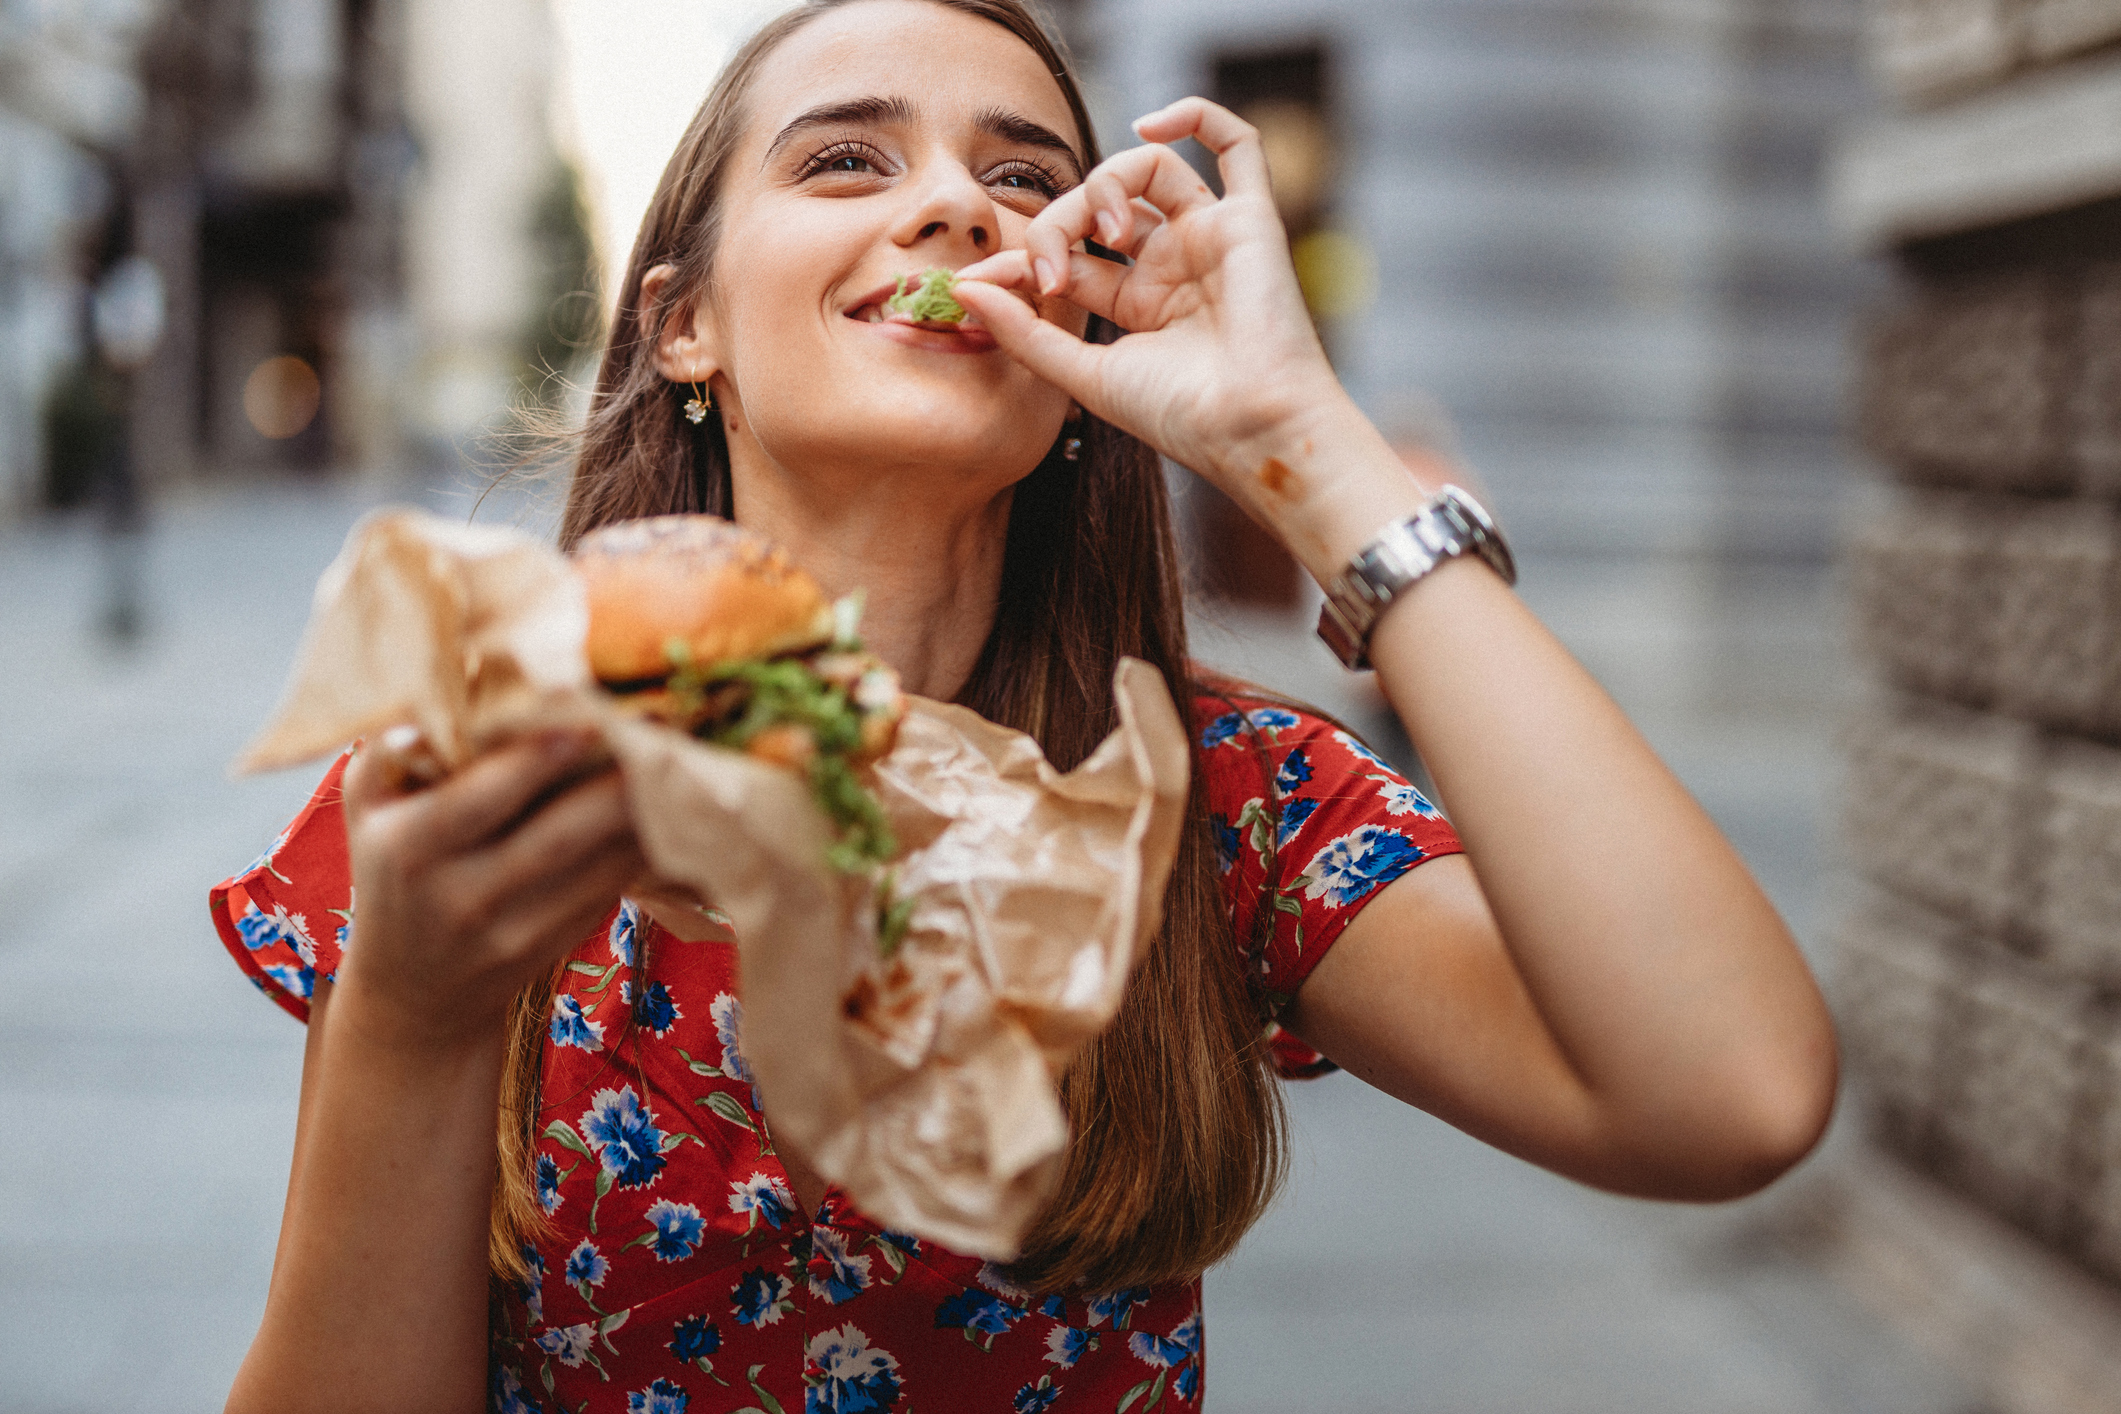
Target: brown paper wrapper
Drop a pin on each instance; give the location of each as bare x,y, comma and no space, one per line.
923,1084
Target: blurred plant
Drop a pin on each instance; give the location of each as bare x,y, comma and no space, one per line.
569,305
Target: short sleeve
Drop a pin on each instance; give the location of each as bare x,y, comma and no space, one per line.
1310,823
284,919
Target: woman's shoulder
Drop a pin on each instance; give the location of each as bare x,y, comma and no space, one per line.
1243,730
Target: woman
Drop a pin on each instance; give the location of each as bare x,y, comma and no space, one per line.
1595,984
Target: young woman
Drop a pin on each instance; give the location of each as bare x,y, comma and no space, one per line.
1595,983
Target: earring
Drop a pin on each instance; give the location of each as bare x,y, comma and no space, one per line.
696,407
1072,450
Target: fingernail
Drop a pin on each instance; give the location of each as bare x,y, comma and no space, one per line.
1108,228
1048,278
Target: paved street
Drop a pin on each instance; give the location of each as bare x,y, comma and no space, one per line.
148,1092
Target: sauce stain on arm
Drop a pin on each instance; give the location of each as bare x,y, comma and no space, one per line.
1275,475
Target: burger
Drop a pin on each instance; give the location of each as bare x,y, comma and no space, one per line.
700,624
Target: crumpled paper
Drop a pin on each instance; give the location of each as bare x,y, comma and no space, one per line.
922,1084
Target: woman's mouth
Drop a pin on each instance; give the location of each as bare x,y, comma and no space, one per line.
963,336
966,336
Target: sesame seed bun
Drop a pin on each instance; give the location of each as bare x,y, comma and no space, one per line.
721,590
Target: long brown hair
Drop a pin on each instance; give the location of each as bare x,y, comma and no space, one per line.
1179,1132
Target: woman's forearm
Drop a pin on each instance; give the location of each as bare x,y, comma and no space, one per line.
1666,978
378,1298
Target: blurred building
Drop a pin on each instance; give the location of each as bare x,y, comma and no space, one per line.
351,211
1985,794
1584,232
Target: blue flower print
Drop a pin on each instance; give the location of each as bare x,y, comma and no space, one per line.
272,852
1355,748
978,1313
570,1027
1067,1344
694,1338
568,1344
656,1011
1036,1398
548,1184
1350,867
1227,840
586,1265
728,1015
533,1284
762,1196
295,981
1293,815
1055,1306
674,1230
624,1136
504,1394
1188,1381
262,930
1268,720
625,929
661,1397
832,1271
1295,771
1117,1306
1164,1351
905,1242
1402,799
844,1374
761,1298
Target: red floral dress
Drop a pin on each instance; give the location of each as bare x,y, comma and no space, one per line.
677,1277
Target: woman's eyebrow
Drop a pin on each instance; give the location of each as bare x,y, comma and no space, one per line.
1015,127
875,111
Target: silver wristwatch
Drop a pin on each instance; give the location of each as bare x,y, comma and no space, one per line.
1451,524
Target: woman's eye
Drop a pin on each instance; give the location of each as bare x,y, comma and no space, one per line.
1021,179
844,160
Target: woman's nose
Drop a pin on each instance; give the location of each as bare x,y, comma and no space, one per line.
951,204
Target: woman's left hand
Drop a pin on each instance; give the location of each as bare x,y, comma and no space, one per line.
1222,369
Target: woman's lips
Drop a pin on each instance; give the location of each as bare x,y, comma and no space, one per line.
967,337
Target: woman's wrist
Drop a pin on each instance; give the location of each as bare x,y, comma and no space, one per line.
1327,481
381,1024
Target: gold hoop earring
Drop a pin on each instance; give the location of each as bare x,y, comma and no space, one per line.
697,407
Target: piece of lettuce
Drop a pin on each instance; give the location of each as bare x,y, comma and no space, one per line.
928,302
785,691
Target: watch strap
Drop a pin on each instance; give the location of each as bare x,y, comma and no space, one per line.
1451,524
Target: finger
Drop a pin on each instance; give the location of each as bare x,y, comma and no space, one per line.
1051,352
1153,175
1235,142
1101,207
553,923
564,831
480,801
1093,283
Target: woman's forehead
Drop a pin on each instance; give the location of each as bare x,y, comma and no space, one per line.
924,60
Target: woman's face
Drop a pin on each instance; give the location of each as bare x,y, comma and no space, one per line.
883,139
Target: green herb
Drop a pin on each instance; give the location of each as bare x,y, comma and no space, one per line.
894,915
785,691
929,302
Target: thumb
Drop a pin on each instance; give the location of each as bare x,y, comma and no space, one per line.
1046,349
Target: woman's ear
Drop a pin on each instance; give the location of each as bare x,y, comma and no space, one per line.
685,347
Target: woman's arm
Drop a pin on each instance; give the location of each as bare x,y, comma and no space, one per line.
1603,988
464,891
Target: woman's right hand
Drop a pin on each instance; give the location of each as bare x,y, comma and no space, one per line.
463,890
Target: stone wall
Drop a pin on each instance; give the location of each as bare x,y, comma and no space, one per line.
1980,975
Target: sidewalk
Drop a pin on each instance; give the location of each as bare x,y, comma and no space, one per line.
149,1092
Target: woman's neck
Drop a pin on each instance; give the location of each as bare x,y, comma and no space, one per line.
929,565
